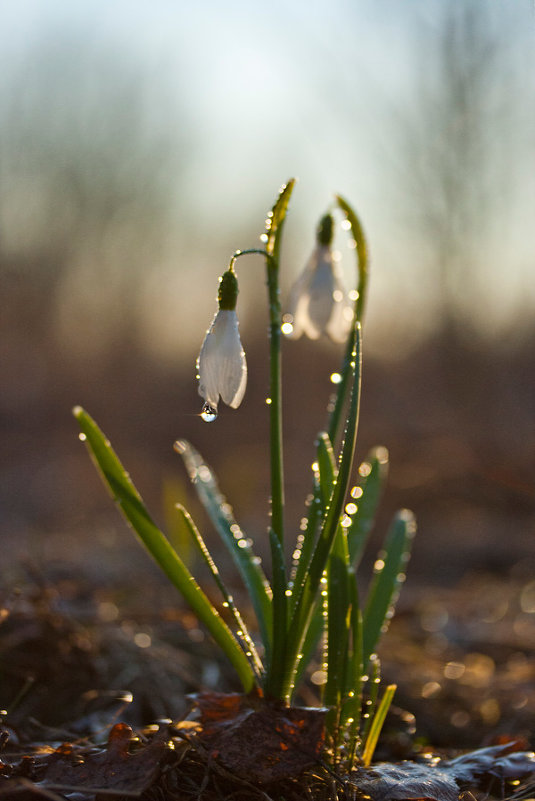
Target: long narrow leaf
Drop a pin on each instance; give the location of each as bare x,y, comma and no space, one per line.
324,477
338,631
234,538
389,575
361,252
228,601
361,248
377,724
311,642
306,540
307,593
373,473
352,708
131,505
276,218
327,467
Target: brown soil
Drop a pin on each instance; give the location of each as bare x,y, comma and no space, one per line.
77,658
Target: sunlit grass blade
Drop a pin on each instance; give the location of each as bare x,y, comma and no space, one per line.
361,253
388,577
311,642
276,218
336,589
324,474
373,473
306,540
338,632
234,538
361,248
352,706
372,681
131,505
326,467
228,601
377,725
304,604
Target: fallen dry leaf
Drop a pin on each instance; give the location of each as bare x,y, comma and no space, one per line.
259,740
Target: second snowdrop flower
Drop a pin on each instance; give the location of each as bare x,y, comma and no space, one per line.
318,302
221,366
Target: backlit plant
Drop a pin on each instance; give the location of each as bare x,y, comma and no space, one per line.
310,601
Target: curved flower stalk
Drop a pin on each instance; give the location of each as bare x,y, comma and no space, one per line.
318,301
221,365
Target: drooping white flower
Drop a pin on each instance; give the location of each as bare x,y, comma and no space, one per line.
318,301
221,364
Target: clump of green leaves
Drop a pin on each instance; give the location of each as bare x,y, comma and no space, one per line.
313,602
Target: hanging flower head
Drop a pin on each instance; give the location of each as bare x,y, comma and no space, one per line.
318,302
221,366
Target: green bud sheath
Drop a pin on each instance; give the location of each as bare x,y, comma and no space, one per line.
228,291
325,230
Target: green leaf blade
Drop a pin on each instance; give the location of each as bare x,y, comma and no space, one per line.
228,600
361,248
304,603
276,218
131,505
373,472
237,543
384,589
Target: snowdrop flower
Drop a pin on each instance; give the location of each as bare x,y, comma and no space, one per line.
318,302
221,366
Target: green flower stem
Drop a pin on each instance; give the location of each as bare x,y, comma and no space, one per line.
274,685
275,385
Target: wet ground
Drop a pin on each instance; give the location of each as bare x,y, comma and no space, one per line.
78,656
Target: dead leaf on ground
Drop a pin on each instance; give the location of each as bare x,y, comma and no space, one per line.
113,769
257,739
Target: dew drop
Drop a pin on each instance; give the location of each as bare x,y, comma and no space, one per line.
82,437
208,413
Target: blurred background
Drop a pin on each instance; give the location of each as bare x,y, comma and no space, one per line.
142,143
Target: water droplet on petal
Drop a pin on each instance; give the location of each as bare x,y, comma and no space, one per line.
208,413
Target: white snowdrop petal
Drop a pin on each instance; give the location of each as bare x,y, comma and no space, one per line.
208,369
339,323
222,365
318,302
240,391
